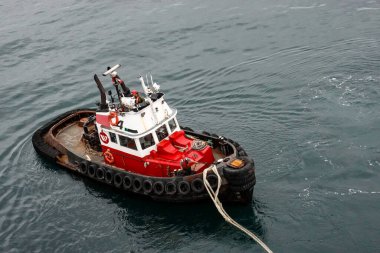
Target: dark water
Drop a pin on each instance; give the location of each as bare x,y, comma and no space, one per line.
296,83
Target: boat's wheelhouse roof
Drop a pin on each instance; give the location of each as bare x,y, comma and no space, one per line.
134,123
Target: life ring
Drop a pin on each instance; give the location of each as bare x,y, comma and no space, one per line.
158,187
109,157
113,118
184,187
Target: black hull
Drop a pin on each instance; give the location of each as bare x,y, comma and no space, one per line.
237,184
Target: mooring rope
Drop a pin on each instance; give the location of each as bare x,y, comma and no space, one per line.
214,197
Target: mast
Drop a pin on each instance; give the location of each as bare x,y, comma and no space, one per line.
146,91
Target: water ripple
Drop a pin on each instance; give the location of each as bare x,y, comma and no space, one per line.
297,85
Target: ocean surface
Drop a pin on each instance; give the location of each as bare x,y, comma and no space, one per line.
296,83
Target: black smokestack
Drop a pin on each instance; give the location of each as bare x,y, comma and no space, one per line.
103,103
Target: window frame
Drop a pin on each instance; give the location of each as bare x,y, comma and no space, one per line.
158,136
112,134
143,147
127,146
175,123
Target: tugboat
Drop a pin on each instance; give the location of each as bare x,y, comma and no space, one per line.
134,142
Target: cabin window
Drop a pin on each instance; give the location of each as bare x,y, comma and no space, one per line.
127,142
162,132
113,137
147,141
172,125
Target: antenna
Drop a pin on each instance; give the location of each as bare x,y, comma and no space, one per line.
145,89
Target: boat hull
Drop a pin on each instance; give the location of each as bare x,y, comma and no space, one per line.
237,184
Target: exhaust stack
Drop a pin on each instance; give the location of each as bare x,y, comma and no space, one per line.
103,103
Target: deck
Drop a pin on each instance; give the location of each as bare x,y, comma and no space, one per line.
71,138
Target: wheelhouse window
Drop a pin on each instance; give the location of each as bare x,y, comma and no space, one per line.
113,137
162,132
127,142
172,124
147,141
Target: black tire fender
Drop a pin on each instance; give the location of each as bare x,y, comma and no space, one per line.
233,143
184,187
127,182
118,180
83,168
243,187
230,172
212,180
170,188
158,187
137,184
147,186
100,173
108,176
92,170
242,153
206,133
236,181
188,129
197,185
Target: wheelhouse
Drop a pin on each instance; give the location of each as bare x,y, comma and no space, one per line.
142,134
139,144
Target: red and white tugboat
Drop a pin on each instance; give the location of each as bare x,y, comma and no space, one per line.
135,143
